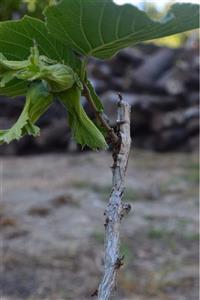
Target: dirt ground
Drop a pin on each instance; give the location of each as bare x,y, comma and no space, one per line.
51,226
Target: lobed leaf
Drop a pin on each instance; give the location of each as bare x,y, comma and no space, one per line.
100,28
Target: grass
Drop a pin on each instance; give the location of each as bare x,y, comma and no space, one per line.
105,190
125,250
192,173
192,176
131,195
98,236
156,233
192,237
182,223
189,176
162,234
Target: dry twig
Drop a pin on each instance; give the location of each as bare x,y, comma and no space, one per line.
116,209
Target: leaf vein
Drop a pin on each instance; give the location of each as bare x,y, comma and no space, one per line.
82,27
48,41
66,33
14,44
100,23
117,24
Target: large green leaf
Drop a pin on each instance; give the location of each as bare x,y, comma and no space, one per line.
16,39
100,28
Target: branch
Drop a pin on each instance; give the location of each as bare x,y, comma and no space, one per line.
116,210
111,134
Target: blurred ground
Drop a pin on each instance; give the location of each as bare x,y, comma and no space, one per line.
51,226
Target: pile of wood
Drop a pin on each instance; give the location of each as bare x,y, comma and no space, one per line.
162,86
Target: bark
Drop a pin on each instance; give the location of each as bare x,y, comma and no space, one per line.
116,209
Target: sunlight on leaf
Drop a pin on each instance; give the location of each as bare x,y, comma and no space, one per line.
102,28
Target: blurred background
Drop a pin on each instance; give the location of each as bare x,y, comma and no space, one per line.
51,214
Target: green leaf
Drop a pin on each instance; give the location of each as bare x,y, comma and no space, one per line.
16,39
101,28
37,102
84,130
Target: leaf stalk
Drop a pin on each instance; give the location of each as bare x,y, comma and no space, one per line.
112,136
